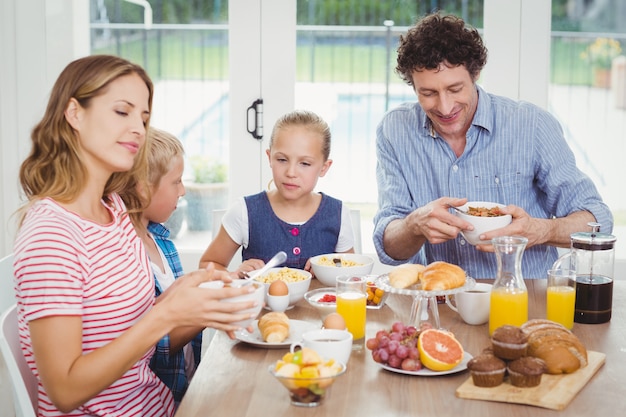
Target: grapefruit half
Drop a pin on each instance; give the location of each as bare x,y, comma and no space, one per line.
439,350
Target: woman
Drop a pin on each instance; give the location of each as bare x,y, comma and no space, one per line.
87,316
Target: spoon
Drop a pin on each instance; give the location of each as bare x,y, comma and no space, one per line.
337,262
277,259
458,210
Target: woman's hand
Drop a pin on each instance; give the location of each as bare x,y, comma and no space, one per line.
187,304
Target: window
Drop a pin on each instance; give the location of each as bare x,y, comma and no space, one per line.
344,71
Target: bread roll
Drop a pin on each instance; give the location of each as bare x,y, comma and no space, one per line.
274,327
556,345
403,276
439,276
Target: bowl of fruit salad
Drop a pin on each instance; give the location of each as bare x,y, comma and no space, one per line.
376,297
306,376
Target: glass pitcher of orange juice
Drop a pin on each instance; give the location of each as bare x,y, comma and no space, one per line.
509,296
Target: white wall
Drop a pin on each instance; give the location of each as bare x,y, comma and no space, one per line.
517,35
37,39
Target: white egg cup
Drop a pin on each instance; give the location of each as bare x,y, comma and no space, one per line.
278,303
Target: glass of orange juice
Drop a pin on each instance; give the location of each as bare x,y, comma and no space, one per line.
561,296
352,306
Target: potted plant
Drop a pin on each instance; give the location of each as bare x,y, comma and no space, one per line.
207,191
600,55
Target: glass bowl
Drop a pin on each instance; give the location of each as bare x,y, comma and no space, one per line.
308,392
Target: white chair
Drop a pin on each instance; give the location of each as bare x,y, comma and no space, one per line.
23,381
355,216
7,293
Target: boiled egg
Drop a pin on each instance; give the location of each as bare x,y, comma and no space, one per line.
278,287
334,321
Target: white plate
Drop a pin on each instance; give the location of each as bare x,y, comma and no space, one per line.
296,328
427,372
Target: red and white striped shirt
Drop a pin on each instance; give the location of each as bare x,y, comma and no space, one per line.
66,265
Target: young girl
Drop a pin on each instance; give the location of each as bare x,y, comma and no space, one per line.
177,355
88,322
292,217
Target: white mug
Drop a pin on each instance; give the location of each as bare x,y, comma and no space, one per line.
328,343
473,304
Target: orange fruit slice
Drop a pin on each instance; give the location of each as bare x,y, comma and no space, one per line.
439,350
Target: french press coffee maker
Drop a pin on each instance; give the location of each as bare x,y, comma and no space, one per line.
592,256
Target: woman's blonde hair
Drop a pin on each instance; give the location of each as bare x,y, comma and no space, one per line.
309,120
161,148
54,167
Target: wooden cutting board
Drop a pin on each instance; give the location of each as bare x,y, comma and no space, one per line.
554,392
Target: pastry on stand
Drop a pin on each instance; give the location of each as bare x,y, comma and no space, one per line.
443,278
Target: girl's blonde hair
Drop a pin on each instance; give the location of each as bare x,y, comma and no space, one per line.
161,148
54,167
309,120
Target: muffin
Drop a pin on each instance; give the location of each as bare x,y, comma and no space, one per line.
486,370
509,342
526,372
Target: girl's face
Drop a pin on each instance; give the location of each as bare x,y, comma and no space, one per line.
297,161
113,127
165,196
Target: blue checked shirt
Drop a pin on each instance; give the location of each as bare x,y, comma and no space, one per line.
515,154
171,368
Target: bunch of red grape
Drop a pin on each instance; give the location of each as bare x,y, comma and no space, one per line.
397,347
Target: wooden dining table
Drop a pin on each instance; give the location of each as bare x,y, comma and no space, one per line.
233,377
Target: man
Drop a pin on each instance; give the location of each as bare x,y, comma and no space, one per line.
459,143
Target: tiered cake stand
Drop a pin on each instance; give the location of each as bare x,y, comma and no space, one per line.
424,306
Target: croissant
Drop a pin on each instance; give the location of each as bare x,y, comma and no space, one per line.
441,275
403,276
274,327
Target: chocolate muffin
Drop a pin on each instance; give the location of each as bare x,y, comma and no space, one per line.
526,372
509,342
486,370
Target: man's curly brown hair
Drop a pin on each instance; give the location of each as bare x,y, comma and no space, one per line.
438,39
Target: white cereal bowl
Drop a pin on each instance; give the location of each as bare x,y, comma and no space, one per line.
482,224
296,288
257,295
327,274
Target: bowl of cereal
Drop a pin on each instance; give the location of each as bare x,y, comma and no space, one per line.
297,280
328,267
484,216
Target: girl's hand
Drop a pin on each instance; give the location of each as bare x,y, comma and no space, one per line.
307,266
248,266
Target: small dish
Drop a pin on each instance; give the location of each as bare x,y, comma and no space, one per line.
323,299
